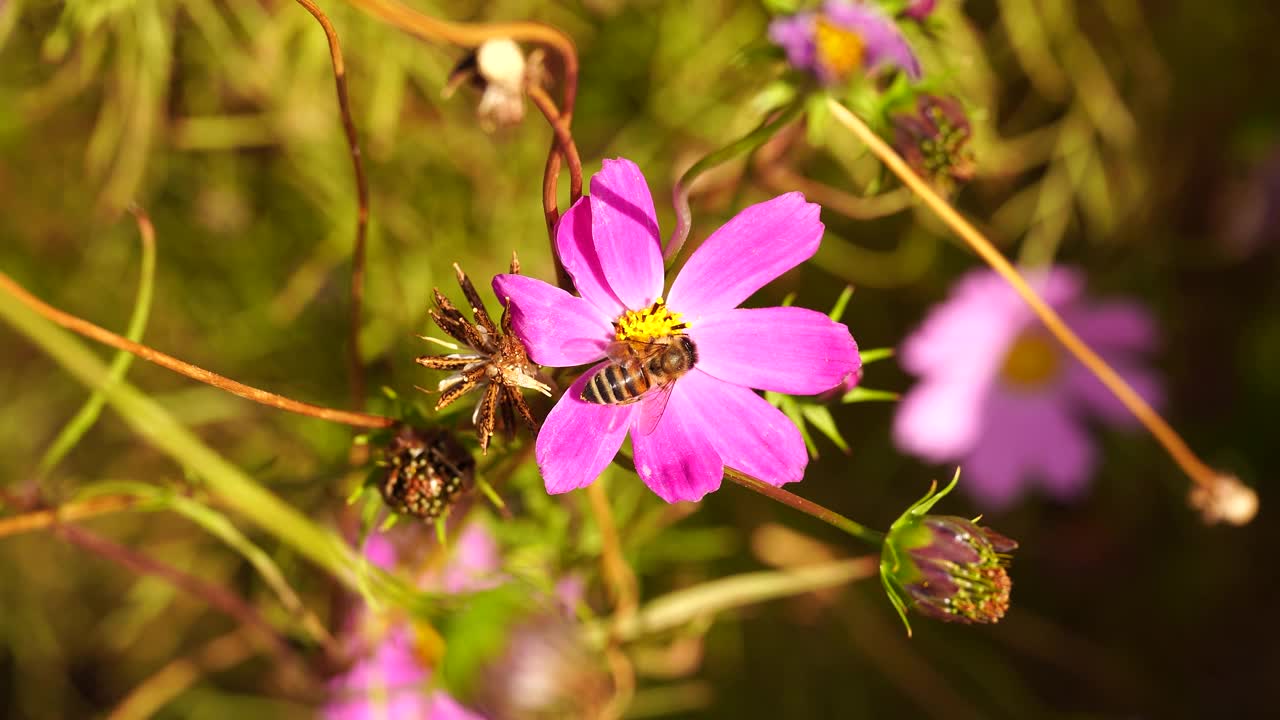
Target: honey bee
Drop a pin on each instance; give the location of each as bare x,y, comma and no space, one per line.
642,370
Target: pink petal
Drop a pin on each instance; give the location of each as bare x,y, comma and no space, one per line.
677,460
785,349
577,251
755,247
939,420
624,227
559,329
750,434
578,439
1027,439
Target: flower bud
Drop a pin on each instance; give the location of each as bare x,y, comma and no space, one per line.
934,140
946,567
426,471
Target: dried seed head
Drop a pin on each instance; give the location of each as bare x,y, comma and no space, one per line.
426,472
497,363
1228,500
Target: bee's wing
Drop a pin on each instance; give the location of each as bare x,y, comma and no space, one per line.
619,351
654,405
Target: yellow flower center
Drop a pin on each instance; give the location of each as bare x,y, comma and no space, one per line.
1032,362
655,321
840,51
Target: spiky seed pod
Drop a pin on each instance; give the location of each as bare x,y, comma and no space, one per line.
426,472
497,361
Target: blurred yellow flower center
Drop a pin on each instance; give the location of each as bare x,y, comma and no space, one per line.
840,51
1032,362
655,321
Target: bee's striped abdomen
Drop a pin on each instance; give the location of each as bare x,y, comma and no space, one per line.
616,384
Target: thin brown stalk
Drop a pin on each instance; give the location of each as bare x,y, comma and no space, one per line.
70,512
355,361
1177,449
106,337
618,574
564,141
178,675
216,596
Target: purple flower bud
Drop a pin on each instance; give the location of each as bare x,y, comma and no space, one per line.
919,10
948,568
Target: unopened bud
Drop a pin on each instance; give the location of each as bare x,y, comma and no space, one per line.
946,567
934,140
425,472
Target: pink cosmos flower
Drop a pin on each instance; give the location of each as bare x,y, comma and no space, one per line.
609,244
842,38
1000,396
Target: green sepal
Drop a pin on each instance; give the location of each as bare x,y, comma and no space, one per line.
820,417
876,355
922,506
862,394
842,302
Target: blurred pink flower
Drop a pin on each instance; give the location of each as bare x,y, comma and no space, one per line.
842,38
391,682
609,244
1000,396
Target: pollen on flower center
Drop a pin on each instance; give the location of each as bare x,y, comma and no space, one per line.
840,51
655,321
1033,361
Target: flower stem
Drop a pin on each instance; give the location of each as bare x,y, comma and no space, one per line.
355,361
69,512
550,206
1196,469
680,194
807,507
106,337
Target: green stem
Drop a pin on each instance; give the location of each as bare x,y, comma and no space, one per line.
92,408
680,194
231,487
807,507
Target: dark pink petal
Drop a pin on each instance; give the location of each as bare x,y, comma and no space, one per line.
578,439
785,349
1115,325
1088,392
755,247
677,460
1027,439
750,434
624,227
559,329
577,252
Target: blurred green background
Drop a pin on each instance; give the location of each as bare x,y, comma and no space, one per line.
1139,141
